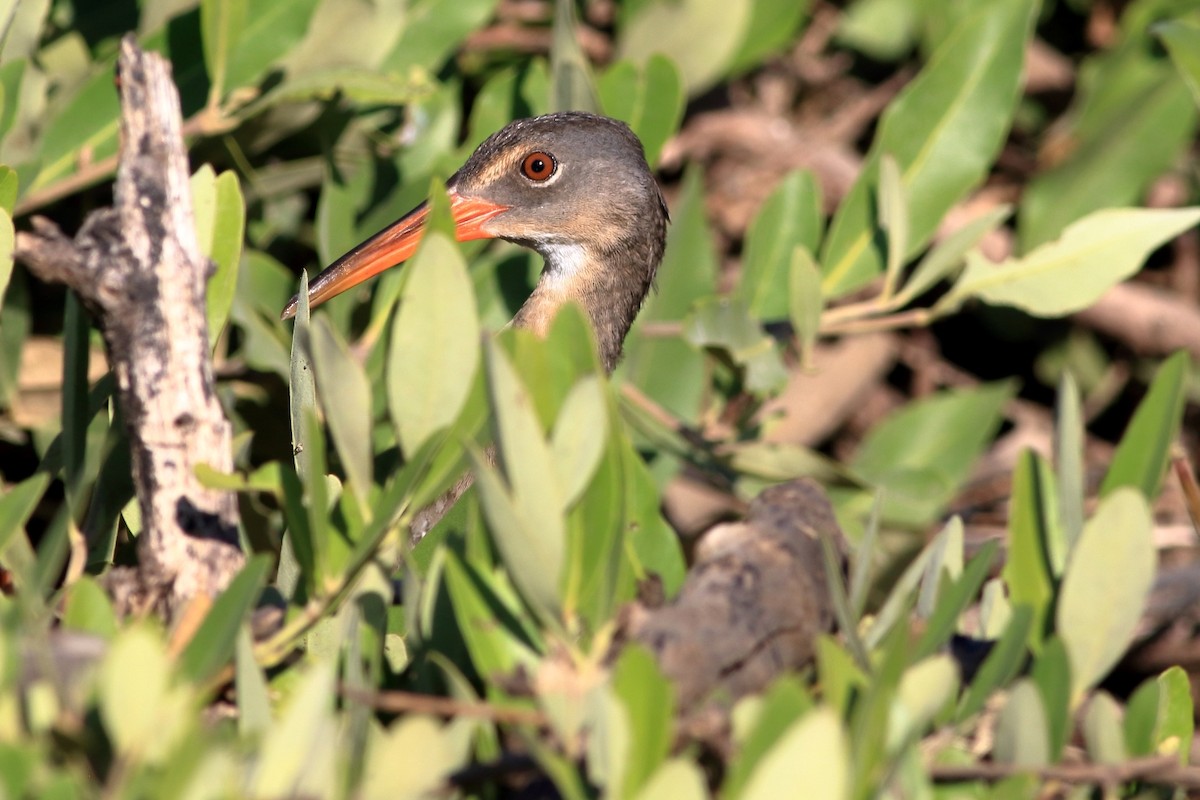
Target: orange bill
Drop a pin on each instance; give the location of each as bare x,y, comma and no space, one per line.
394,244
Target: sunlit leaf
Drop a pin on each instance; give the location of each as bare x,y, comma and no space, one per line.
812,753
1021,737
435,344
1090,257
1097,615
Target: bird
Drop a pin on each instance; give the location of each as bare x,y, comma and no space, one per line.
574,187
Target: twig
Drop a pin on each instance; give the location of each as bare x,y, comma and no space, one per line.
398,702
137,267
1187,481
1159,770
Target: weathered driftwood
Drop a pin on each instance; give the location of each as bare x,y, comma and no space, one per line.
138,268
752,606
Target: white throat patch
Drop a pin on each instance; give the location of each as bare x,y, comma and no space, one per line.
564,261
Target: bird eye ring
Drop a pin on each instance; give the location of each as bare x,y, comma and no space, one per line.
539,166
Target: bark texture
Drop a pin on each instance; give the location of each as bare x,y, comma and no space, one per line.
752,607
137,267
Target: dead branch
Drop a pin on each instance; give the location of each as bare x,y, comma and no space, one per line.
137,267
753,604
1159,770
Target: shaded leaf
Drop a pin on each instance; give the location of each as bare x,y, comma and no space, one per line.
944,130
1141,456
790,218
346,396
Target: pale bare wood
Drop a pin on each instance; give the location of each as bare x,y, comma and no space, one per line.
138,269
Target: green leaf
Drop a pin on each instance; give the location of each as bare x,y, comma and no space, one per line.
213,644
725,324
294,755
434,29
1069,435
773,25
346,397
812,753
922,453
1105,586
1142,455
87,123
702,37
924,690
1182,38
1132,118
1092,255
1021,737
893,220
790,218
253,698
806,301
669,370
580,436
1176,721
1052,674
948,255
435,327
221,25
650,99
678,779
9,185
143,714
526,516
17,504
488,625
363,86
220,222
944,130
1102,730
883,29
1033,525
572,87
86,608
411,759
649,700
7,240
271,29
773,713
1003,663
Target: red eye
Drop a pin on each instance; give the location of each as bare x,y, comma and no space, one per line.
538,166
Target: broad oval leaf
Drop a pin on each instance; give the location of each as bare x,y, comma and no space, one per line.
812,754
1021,735
1105,586
1067,275
580,436
435,344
